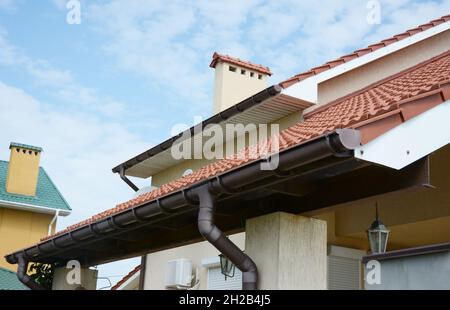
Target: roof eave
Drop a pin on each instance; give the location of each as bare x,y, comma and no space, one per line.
215,119
33,208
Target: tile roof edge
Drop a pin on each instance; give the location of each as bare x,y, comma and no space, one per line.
126,277
356,54
320,108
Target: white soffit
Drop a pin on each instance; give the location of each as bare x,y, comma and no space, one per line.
411,140
266,112
307,88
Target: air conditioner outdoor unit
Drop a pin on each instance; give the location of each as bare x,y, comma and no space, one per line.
179,273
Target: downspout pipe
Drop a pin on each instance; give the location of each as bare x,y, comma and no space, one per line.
127,180
208,229
24,277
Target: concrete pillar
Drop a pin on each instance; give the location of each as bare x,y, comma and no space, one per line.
289,250
75,279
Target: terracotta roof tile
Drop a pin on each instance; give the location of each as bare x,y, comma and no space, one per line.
361,52
128,276
372,103
239,62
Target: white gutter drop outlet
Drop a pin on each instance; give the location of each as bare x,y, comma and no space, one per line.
52,222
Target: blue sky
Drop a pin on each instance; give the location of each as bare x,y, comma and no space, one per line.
95,94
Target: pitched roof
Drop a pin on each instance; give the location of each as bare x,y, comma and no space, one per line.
9,281
47,195
361,52
239,62
128,276
402,96
136,160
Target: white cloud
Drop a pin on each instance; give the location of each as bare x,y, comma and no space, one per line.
171,44
79,152
60,83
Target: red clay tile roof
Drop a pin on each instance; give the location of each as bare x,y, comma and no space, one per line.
393,99
239,62
128,276
358,53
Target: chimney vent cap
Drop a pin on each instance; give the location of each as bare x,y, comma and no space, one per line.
25,146
239,62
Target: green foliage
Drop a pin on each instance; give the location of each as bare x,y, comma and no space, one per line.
42,274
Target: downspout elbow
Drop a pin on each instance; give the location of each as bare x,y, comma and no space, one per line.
24,277
216,237
126,180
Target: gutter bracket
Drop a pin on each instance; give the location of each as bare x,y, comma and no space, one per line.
127,180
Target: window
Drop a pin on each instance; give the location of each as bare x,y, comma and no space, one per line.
232,69
344,268
215,278
252,74
260,76
242,71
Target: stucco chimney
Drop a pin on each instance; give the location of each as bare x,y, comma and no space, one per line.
236,80
23,169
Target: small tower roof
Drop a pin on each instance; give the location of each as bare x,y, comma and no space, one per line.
239,62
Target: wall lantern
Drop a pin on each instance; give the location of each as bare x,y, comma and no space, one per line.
378,235
226,266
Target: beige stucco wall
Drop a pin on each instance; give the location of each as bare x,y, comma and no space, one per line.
156,266
19,229
233,87
289,250
23,171
381,68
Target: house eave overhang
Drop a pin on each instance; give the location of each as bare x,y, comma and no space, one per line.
322,152
33,208
265,107
411,140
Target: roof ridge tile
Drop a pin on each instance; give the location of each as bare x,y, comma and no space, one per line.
361,52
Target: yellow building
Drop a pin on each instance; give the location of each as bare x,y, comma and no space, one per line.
29,203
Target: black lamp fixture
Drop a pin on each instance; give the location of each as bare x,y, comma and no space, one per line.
378,235
226,266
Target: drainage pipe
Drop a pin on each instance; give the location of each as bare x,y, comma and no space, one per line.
24,277
208,229
127,180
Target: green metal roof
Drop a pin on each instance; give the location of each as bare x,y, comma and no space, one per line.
9,280
47,195
26,146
